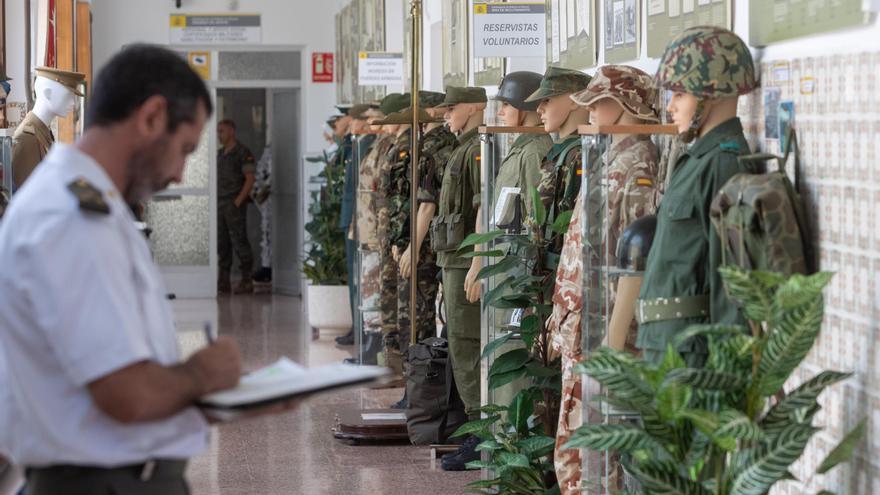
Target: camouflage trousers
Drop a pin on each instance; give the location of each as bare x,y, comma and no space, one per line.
388,303
370,290
426,299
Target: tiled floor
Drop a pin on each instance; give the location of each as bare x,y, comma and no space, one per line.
295,453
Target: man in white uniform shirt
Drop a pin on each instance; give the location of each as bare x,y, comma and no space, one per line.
96,399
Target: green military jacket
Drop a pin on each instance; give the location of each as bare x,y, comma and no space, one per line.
522,167
231,168
460,193
439,143
686,252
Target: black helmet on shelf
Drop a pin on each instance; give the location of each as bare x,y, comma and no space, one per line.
516,87
635,244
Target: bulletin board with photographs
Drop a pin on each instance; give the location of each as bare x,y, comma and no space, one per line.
622,30
370,32
488,71
668,18
571,33
455,43
780,20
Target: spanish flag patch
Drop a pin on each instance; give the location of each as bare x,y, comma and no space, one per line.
644,181
579,171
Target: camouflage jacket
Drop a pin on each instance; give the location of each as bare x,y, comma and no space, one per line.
631,182
369,193
559,186
439,143
398,191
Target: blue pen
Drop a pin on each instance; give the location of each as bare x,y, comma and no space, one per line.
208,335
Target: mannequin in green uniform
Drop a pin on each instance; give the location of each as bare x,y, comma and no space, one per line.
457,211
521,167
560,172
706,69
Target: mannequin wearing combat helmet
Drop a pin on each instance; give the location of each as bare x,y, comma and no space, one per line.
706,69
56,92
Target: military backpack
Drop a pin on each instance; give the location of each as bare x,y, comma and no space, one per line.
761,218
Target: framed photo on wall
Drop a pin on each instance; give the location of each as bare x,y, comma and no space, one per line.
455,43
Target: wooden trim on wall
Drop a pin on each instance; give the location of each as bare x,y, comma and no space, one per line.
64,57
84,42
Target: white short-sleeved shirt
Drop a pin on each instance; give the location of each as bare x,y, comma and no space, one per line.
81,298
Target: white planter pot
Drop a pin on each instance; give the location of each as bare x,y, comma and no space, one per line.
328,307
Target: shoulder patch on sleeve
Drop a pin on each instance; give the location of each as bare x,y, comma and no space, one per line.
729,146
644,181
90,198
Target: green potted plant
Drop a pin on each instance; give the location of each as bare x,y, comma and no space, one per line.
730,428
324,261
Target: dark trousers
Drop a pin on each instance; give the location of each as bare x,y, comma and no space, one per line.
167,479
351,252
232,235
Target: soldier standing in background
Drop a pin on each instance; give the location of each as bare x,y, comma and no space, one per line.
236,169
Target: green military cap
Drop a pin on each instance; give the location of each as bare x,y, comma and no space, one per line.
405,116
559,81
357,111
430,99
458,94
71,80
394,102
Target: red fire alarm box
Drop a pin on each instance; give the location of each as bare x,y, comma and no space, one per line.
322,67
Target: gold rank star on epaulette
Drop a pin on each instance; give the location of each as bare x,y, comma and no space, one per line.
90,198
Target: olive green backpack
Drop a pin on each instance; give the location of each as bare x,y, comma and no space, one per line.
761,218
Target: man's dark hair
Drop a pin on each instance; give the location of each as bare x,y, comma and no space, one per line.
228,123
139,72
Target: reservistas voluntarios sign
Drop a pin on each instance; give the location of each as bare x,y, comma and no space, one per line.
516,29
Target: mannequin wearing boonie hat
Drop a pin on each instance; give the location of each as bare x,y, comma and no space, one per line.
617,95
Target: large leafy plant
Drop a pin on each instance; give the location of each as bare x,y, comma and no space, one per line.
729,427
324,262
519,437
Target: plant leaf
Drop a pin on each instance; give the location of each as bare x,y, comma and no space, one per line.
475,426
496,344
538,211
759,468
480,238
498,291
537,446
663,482
502,266
560,225
512,459
511,360
620,438
707,379
706,331
789,341
802,397
844,450
488,445
521,409
502,379
672,398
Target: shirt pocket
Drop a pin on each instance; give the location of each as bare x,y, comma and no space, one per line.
679,208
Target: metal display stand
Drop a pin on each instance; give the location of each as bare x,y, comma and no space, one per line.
601,469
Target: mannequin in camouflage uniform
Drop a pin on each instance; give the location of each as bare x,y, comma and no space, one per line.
426,324
560,179
368,199
387,266
616,95
706,68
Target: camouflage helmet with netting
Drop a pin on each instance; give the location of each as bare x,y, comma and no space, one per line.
707,62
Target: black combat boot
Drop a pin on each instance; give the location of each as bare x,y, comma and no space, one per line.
457,461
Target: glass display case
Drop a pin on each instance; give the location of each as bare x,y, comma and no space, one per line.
602,279
502,211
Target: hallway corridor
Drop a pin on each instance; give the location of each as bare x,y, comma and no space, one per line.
295,453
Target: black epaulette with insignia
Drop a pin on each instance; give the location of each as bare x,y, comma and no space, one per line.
90,198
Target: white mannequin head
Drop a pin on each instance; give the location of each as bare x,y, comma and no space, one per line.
53,99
